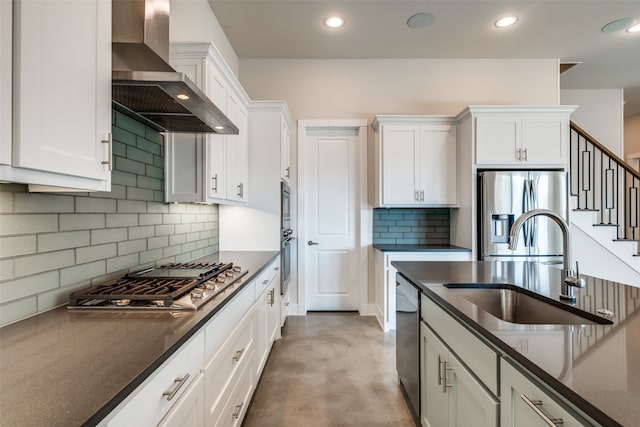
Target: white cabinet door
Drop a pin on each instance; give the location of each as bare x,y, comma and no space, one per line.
469,403
544,138
437,165
62,87
433,399
6,40
524,404
189,410
237,152
498,138
450,394
399,173
216,178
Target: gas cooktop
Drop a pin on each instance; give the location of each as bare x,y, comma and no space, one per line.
176,286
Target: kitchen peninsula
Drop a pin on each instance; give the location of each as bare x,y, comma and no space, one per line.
588,372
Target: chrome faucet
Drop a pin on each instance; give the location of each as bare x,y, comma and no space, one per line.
570,281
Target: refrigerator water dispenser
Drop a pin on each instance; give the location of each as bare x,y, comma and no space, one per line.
500,227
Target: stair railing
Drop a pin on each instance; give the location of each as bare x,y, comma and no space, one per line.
604,183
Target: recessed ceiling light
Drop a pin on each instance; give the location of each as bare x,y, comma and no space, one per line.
334,22
634,29
218,127
420,20
182,96
618,25
506,21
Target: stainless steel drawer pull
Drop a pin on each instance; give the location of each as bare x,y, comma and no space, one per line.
439,370
178,382
536,405
238,355
238,409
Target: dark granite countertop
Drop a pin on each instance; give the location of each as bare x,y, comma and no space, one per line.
419,248
66,368
595,367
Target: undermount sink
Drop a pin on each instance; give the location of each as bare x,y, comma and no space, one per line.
511,304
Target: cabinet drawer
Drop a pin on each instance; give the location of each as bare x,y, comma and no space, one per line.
222,324
228,361
239,397
480,359
523,403
152,399
267,275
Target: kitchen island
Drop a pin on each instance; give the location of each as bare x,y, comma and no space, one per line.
73,367
593,368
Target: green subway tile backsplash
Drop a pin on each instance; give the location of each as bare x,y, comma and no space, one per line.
53,244
411,226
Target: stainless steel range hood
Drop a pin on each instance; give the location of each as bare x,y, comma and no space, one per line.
145,85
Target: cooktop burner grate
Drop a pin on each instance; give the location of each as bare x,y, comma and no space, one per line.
138,289
181,265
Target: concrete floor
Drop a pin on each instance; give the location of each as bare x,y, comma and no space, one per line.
330,369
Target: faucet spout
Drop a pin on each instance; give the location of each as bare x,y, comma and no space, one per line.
569,280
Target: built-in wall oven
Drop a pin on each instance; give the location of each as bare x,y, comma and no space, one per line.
286,237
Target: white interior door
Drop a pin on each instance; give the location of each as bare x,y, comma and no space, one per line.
331,221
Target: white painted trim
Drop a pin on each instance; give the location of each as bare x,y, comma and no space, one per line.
368,310
364,234
269,106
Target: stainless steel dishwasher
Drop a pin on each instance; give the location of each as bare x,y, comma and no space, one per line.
408,342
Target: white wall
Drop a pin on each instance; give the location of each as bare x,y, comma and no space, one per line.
193,20
601,114
245,229
361,88
632,136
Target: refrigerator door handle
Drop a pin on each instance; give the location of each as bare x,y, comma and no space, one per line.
533,236
526,199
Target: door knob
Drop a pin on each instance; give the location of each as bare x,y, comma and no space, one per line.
311,243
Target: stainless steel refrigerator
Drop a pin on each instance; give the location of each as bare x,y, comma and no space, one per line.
503,196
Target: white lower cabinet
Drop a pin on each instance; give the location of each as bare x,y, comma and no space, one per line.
450,394
525,404
385,278
189,411
165,388
210,380
267,316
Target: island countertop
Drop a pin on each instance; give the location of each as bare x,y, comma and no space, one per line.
67,367
595,367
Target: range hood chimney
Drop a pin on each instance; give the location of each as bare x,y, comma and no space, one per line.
145,85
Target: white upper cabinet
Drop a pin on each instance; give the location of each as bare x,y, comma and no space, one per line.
285,146
269,124
219,171
416,161
61,94
516,135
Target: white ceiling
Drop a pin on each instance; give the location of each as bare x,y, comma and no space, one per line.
564,29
